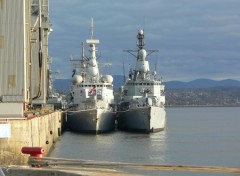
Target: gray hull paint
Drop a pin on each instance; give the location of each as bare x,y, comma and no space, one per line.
144,119
91,121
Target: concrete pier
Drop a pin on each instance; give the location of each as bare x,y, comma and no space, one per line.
42,130
70,167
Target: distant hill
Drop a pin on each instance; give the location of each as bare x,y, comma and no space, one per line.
62,84
118,80
202,83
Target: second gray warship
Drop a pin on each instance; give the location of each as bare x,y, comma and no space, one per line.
141,106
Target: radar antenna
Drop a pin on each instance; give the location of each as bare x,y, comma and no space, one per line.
140,45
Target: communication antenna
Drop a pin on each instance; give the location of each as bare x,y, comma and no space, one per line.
92,41
144,22
91,28
83,53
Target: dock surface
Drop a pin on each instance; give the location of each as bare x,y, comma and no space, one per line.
60,166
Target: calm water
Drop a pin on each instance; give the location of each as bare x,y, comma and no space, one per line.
194,136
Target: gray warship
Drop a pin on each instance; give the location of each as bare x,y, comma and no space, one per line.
141,101
92,96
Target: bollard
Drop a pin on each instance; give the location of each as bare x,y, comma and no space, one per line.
34,151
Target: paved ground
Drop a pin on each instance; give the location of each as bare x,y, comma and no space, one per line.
70,167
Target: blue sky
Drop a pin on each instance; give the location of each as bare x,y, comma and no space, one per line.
195,38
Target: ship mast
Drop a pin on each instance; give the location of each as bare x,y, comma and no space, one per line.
140,38
92,28
140,45
83,64
92,69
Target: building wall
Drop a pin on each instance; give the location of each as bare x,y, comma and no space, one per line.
14,52
12,55
21,79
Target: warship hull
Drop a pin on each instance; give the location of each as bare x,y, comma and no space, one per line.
93,121
142,119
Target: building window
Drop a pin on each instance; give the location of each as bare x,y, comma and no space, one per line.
1,39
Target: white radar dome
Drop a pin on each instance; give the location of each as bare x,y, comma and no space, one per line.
77,79
107,79
140,32
93,71
142,54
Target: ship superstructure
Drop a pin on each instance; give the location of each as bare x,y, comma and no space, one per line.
92,95
142,105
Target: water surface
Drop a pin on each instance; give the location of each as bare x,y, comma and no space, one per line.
194,136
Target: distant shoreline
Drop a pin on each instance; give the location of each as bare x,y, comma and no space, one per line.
199,106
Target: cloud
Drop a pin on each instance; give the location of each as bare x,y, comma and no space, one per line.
196,39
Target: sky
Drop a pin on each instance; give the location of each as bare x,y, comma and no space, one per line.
195,38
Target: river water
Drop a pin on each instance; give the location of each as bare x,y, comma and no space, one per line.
202,136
